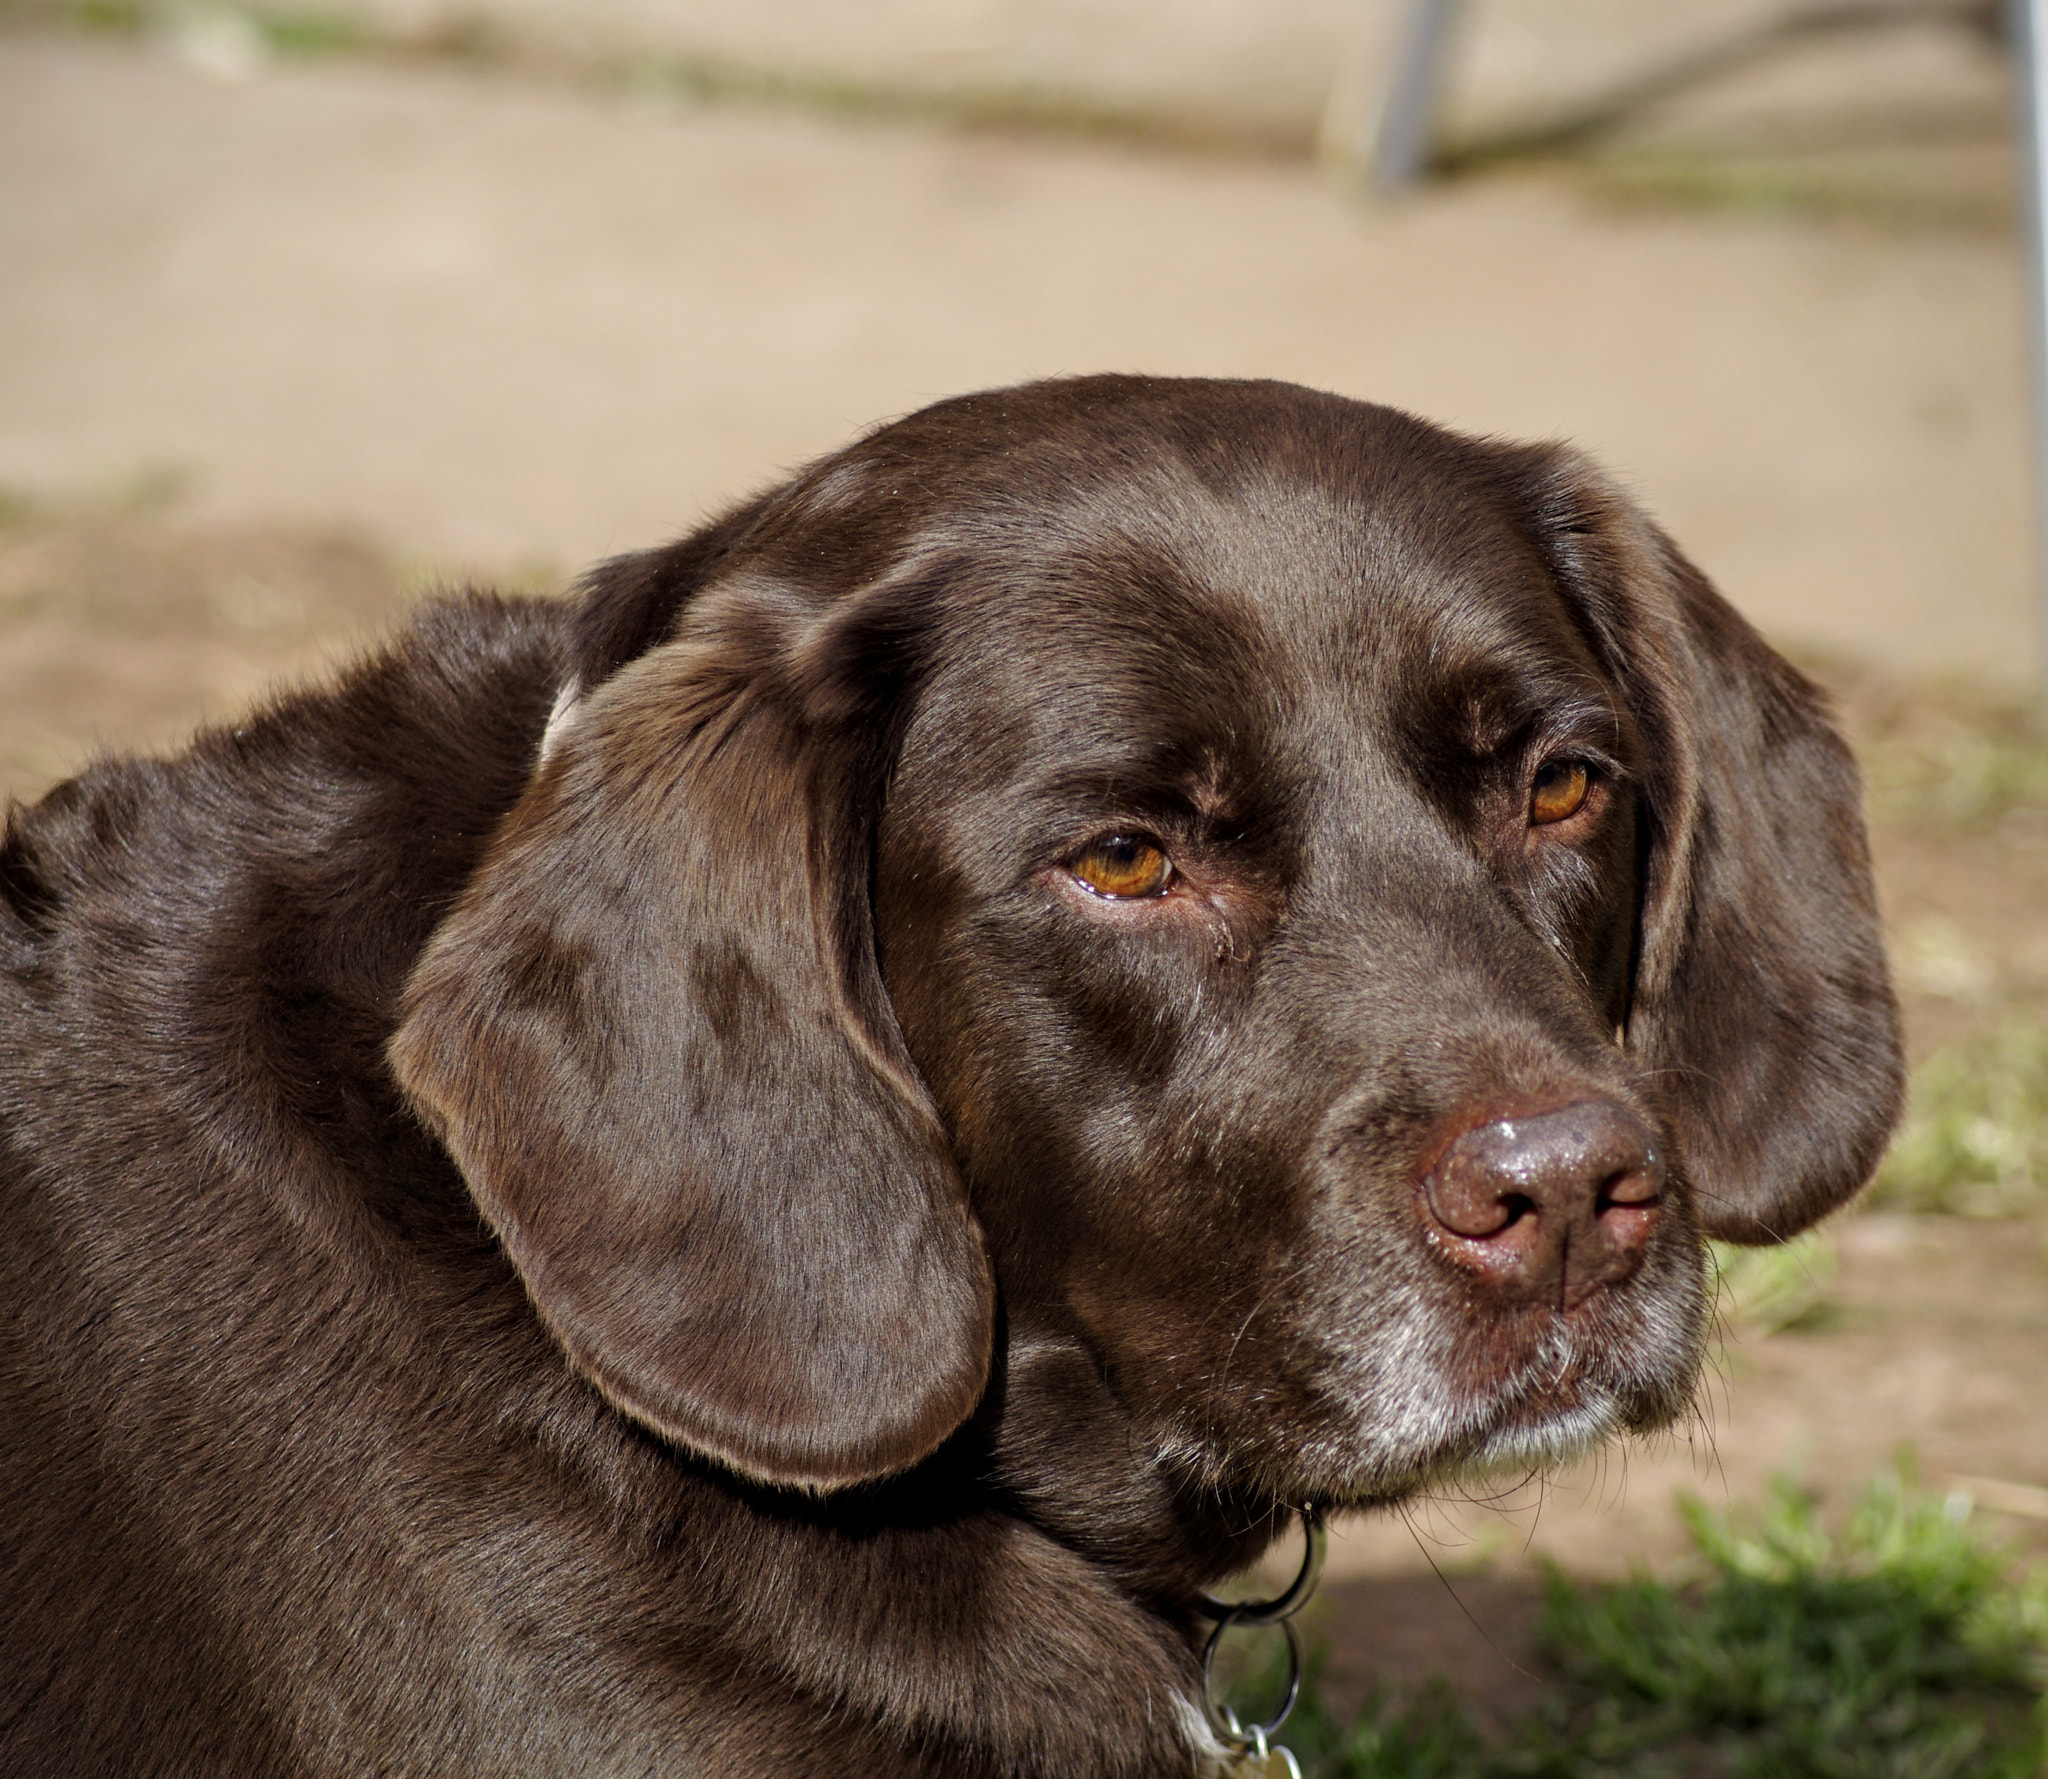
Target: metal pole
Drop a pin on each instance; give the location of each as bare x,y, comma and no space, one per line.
2028,25
1401,154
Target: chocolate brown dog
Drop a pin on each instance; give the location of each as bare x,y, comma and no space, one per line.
767,1170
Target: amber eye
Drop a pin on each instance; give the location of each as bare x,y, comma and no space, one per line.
1123,866
1560,792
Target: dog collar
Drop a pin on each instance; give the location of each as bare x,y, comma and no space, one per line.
1249,1751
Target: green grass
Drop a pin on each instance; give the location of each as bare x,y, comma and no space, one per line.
1968,770
1764,1290
1896,1644
1899,183
1975,1137
17,508
282,28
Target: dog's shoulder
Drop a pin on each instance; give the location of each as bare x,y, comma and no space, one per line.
200,954
208,1188
387,778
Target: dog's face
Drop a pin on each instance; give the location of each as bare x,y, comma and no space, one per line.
1314,915
1227,874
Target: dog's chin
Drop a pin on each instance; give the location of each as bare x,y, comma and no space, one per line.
1560,1435
1547,1413
1515,1445
1612,1369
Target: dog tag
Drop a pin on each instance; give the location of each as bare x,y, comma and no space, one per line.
1269,1763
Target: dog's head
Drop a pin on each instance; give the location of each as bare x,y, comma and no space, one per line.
1315,914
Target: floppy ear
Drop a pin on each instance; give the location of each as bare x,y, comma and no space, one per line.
653,1036
1760,994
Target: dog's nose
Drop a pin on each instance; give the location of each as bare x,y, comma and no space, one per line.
1551,1206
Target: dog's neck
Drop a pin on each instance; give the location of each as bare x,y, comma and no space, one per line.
1073,1461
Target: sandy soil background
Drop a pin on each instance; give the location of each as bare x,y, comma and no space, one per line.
285,339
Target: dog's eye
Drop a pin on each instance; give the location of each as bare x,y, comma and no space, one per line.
1560,792
1124,866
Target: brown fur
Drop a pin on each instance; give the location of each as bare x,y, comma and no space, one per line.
710,1251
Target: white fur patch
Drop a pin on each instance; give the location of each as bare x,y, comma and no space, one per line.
561,718
1210,1754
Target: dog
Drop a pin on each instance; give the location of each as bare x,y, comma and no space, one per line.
772,1167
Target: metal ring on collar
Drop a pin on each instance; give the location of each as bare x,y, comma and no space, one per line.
1316,1547
1236,1736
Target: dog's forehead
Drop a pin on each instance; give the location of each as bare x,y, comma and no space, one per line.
1199,611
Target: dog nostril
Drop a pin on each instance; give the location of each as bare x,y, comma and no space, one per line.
1564,1200
1471,1199
1630,1189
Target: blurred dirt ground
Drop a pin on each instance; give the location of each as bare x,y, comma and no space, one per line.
276,350
491,317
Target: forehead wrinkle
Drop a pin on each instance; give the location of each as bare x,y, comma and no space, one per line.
1519,667
1473,613
1371,598
1087,697
1106,617
1334,565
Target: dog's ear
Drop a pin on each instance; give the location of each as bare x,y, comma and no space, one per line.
1760,993
654,1038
